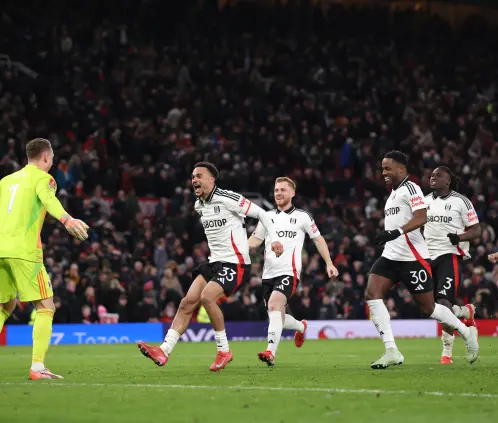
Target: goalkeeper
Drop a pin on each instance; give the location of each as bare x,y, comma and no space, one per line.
25,198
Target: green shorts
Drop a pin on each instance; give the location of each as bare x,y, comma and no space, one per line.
27,278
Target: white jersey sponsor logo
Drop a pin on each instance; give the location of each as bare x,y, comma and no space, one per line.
291,227
451,214
399,208
222,216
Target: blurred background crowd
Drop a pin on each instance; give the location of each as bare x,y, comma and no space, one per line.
132,94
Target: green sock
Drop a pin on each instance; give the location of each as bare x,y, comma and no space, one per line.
42,332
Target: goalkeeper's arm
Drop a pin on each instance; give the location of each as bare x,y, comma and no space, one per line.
75,227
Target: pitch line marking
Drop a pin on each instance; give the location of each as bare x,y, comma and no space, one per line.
259,388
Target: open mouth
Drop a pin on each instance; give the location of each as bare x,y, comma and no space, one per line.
387,179
432,183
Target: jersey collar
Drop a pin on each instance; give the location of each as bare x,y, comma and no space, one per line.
209,197
403,182
288,211
442,198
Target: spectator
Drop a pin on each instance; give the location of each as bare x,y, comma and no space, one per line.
129,118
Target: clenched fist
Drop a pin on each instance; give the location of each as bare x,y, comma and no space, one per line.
277,248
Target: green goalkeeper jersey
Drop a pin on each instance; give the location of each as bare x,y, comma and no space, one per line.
25,198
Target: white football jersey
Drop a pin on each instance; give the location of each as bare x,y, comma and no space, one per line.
399,208
451,214
222,216
291,227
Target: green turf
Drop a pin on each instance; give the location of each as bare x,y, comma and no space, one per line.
324,381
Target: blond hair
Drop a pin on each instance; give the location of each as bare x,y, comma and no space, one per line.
286,179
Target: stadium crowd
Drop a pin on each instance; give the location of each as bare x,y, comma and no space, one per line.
130,107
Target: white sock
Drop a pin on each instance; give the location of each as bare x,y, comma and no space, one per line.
221,341
382,321
293,324
274,330
170,341
37,367
447,344
445,316
461,312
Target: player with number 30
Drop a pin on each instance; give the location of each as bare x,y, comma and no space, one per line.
406,259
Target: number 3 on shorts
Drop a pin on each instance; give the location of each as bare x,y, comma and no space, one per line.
418,276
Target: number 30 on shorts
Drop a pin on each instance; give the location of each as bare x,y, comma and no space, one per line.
418,276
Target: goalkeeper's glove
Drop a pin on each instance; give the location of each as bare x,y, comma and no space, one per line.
76,228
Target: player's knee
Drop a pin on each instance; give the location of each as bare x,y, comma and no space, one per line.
445,302
368,295
188,304
206,299
47,304
372,294
427,309
275,306
10,306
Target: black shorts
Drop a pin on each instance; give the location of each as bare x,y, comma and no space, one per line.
416,276
230,276
285,284
447,271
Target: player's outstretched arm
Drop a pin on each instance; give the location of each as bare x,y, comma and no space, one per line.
254,242
242,206
45,190
258,213
323,249
258,236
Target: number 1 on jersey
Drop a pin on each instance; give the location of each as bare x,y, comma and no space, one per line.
13,189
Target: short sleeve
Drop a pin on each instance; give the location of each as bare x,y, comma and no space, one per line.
235,202
259,232
468,213
310,226
415,197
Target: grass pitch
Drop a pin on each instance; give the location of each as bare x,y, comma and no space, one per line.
324,381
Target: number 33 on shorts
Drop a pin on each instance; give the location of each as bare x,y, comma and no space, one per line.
231,276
